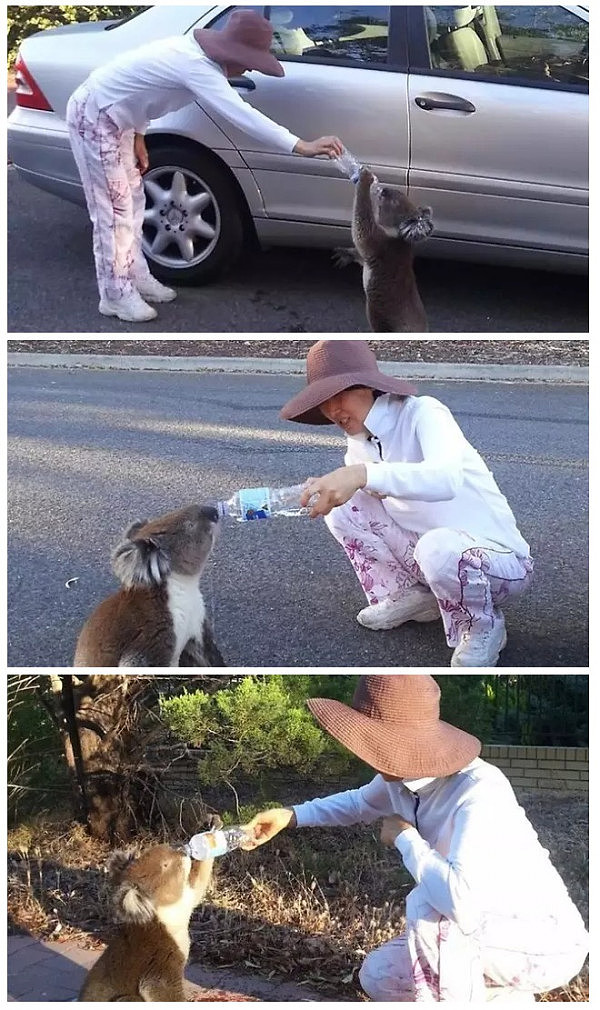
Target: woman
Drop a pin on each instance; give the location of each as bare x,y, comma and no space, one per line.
416,509
489,916
108,116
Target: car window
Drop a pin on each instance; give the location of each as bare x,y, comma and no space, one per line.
539,43
347,34
344,34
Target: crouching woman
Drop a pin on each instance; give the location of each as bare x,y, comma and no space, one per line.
419,515
489,916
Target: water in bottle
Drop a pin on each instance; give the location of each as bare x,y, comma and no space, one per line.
210,844
252,503
348,165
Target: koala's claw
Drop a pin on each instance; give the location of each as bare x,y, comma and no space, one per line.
214,822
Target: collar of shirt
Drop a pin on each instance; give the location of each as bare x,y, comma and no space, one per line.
418,785
415,785
382,419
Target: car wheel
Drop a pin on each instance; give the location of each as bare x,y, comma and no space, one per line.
193,227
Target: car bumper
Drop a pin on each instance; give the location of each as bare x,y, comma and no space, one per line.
39,148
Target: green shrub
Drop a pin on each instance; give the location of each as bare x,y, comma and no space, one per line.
36,772
258,724
465,703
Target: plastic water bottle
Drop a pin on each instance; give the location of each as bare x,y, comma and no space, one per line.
253,503
348,165
210,844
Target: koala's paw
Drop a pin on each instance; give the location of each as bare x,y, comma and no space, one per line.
214,822
344,257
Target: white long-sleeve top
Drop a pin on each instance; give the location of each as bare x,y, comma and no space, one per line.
473,853
160,77
432,475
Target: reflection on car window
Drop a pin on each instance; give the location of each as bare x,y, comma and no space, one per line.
545,43
343,33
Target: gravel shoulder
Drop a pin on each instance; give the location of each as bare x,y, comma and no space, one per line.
500,352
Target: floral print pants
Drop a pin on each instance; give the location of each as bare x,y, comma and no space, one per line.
509,956
469,577
114,193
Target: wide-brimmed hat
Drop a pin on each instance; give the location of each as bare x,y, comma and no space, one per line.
333,366
245,39
394,725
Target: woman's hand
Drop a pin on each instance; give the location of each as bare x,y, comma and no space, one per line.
267,824
141,153
391,827
331,146
333,489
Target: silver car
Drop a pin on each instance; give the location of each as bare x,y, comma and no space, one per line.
480,111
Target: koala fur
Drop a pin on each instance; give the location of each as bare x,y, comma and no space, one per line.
158,616
153,900
385,225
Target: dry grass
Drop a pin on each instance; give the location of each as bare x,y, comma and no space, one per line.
309,909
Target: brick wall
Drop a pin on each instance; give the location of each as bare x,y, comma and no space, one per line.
542,767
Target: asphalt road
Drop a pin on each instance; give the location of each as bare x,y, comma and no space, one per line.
51,288
90,451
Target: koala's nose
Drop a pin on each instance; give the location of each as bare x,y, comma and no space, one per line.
210,512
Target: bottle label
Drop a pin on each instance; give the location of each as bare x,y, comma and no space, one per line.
210,844
255,503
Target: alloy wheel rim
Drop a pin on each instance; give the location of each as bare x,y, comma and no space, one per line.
182,220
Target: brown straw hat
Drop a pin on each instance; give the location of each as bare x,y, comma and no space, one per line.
246,40
394,725
333,366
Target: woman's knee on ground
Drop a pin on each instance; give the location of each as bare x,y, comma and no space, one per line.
370,978
386,973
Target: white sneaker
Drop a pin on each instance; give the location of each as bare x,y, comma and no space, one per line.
481,648
131,309
414,605
153,291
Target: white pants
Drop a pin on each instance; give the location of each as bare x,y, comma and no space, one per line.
468,576
114,193
510,958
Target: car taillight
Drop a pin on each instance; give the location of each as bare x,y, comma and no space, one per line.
29,94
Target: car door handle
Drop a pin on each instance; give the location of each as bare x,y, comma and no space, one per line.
453,102
243,82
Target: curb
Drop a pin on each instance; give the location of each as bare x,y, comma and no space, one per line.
435,371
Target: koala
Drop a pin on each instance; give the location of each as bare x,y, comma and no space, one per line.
153,900
158,616
385,225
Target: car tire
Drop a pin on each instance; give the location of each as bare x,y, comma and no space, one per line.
194,224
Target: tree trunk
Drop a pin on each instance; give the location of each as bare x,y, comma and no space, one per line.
106,731
106,717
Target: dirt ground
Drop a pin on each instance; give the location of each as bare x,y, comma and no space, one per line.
307,908
503,352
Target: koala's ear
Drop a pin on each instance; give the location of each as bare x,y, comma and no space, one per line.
132,905
117,863
134,528
141,562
